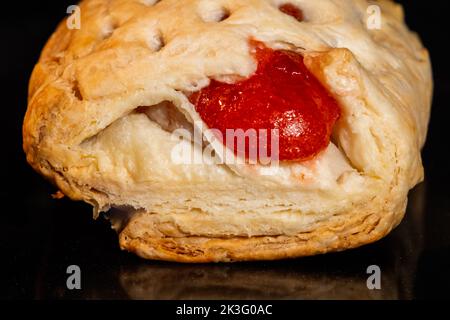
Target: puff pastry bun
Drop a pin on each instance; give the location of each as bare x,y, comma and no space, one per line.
85,130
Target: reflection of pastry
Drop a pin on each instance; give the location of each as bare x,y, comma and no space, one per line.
105,99
245,282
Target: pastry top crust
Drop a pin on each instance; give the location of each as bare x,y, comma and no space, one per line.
81,130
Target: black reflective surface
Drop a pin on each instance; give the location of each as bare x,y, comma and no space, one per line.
40,237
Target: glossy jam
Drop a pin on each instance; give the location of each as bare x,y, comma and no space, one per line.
282,94
292,11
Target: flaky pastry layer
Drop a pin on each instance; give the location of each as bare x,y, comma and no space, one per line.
85,129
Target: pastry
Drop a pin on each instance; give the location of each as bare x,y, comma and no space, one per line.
131,112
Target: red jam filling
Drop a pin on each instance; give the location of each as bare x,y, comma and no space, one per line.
282,94
292,11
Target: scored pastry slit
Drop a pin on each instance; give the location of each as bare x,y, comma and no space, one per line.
167,115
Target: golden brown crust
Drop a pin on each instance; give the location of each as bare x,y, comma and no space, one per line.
337,234
83,133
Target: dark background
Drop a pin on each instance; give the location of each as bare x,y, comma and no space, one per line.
40,237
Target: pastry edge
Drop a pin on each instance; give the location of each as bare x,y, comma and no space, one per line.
368,228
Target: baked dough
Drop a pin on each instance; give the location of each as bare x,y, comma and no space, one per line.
82,129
